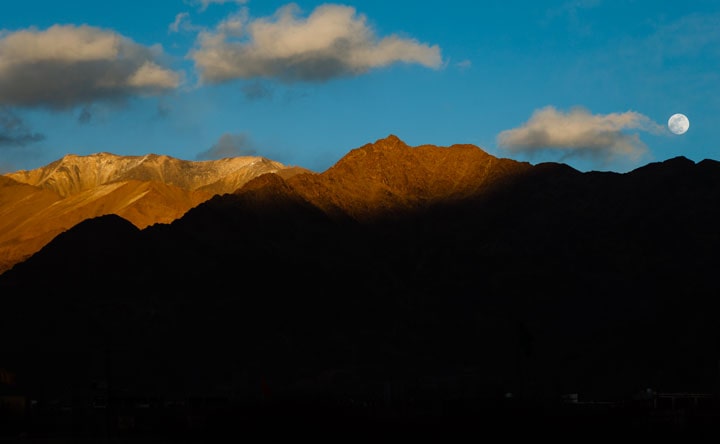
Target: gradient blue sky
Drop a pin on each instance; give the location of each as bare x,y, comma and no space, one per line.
590,83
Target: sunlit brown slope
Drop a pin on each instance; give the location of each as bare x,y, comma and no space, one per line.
18,202
37,205
389,176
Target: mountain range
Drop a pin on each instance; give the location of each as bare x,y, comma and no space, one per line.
37,205
412,277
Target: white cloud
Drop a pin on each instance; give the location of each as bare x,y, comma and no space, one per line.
150,75
332,41
67,65
580,133
234,24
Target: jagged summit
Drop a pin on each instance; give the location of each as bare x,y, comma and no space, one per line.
674,162
38,204
392,148
384,177
390,141
389,174
73,173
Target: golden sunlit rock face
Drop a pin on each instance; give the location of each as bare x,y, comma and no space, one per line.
37,205
389,176
378,178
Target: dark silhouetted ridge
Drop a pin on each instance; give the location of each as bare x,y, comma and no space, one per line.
101,245
404,285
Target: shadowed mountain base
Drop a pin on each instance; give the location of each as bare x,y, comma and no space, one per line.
488,307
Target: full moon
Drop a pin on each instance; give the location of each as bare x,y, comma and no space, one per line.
678,123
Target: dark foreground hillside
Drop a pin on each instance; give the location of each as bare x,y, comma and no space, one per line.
557,300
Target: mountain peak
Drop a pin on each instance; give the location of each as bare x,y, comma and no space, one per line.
149,189
391,138
389,176
674,165
391,141
680,160
74,173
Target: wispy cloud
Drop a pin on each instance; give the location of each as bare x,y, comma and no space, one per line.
14,132
229,145
689,36
183,23
683,43
85,115
464,64
180,19
256,91
333,41
204,4
571,8
571,11
66,65
578,133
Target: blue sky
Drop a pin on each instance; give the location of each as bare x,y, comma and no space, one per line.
591,83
